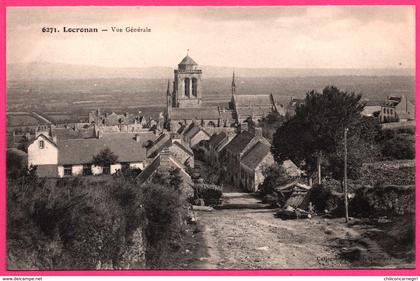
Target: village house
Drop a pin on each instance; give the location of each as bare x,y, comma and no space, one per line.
112,119
233,152
163,162
252,165
73,157
194,135
393,109
216,143
372,108
173,143
388,113
404,108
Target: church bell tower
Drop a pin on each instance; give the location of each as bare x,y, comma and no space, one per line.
187,84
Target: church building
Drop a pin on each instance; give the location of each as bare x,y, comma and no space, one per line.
184,104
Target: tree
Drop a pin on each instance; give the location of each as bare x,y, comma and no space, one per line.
312,135
105,158
274,175
16,163
399,147
270,124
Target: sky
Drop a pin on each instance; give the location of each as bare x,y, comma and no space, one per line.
267,37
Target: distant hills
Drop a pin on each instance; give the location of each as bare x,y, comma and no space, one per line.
52,71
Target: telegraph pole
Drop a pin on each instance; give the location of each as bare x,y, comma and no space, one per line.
346,202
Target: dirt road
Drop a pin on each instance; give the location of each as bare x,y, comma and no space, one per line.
246,235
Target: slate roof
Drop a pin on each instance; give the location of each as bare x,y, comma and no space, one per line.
158,144
373,102
149,170
145,175
156,149
66,133
256,111
291,168
185,148
255,155
239,142
281,100
216,139
205,113
252,100
191,131
187,61
82,151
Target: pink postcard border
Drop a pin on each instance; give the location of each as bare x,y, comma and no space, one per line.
286,272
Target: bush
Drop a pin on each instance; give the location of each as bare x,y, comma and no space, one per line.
324,199
165,213
383,200
210,193
387,173
75,223
319,196
16,163
274,175
400,147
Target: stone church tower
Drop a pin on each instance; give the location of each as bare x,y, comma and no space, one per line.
187,84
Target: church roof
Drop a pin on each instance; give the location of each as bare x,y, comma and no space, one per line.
187,61
256,111
253,100
205,113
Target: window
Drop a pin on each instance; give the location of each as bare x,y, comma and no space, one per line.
67,170
106,170
187,87
125,166
87,170
194,87
41,144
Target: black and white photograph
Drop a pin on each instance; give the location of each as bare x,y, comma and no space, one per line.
210,138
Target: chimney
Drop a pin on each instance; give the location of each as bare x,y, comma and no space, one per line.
164,158
137,137
258,132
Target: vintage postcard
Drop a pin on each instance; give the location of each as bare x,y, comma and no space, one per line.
216,138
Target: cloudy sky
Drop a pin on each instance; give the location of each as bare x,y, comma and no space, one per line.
286,37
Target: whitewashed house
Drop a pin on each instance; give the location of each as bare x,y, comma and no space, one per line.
73,157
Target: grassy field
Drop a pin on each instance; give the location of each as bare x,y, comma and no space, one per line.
80,96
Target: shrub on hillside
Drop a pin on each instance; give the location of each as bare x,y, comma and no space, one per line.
326,200
399,147
383,200
382,173
75,223
16,163
210,193
165,212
